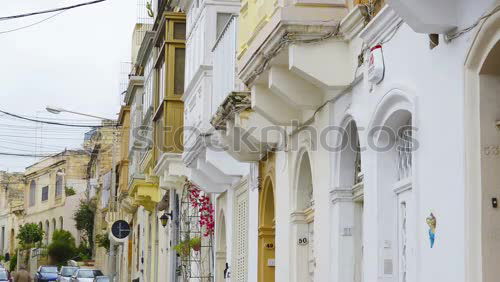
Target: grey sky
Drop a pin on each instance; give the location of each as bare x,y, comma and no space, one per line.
71,61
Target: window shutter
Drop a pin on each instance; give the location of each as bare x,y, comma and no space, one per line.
240,264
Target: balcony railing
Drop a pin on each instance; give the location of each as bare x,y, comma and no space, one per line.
224,69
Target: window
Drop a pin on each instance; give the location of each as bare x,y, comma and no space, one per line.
180,31
180,54
148,85
45,193
222,19
32,192
59,184
161,83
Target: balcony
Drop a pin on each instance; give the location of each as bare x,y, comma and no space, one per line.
225,80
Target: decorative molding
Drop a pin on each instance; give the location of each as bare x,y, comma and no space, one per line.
402,186
253,178
354,22
341,194
358,191
298,217
234,103
380,27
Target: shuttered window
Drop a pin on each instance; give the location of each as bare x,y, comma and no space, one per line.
241,235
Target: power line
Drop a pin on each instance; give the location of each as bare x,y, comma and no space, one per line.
50,122
33,24
24,155
50,10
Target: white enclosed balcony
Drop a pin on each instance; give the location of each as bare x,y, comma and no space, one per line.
225,80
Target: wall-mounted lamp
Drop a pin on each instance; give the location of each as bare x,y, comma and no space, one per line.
164,218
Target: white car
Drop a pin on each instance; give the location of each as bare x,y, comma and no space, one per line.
85,275
66,272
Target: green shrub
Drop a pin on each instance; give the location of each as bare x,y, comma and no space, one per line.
69,191
13,262
83,252
62,248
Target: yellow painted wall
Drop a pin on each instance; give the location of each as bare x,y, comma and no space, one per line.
254,14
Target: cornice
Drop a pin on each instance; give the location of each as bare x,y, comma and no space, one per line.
234,103
133,83
354,22
380,27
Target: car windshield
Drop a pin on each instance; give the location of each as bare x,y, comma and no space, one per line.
89,273
68,271
49,269
3,275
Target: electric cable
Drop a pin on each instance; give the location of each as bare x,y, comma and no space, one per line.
53,122
50,10
33,24
451,36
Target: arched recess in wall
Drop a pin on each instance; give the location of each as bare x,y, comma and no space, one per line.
267,224
54,225
303,220
61,223
391,136
221,253
482,164
348,204
47,232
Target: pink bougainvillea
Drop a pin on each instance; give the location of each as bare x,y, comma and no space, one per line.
200,201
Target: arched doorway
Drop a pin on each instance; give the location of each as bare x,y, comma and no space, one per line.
348,207
394,148
303,221
221,258
267,233
482,147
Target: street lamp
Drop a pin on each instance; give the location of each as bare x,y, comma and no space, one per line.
57,110
164,218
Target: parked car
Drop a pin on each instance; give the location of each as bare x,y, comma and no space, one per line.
5,275
85,275
66,272
46,273
102,279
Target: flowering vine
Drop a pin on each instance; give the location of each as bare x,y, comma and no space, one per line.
202,203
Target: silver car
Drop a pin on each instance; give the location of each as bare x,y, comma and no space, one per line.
65,273
85,275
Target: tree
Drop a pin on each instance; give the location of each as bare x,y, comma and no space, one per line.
84,218
63,247
102,240
29,235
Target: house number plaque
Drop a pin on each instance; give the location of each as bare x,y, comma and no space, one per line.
303,241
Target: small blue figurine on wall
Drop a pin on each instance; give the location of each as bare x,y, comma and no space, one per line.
431,221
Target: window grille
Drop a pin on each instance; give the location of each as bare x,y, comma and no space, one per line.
405,149
358,177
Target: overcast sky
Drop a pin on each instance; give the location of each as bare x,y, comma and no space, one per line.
71,61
